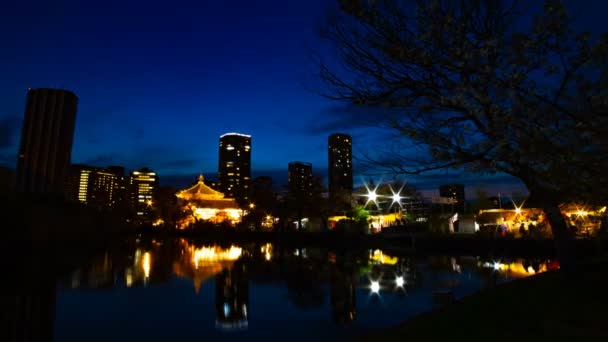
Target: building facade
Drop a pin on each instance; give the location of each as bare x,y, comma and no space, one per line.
300,179
102,188
46,141
142,188
207,204
234,173
77,183
456,193
340,165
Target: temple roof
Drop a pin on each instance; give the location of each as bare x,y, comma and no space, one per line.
200,191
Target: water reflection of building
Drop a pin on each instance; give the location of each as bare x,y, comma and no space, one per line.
202,263
342,293
130,270
232,298
27,299
28,317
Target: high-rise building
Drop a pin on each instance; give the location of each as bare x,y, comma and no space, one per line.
143,185
340,165
119,193
234,174
46,141
97,187
300,179
102,187
77,183
455,192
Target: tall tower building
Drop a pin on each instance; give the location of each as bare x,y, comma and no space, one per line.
234,174
143,185
340,165
455,192
300,179
46,141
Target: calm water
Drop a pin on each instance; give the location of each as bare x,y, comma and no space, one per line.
177,289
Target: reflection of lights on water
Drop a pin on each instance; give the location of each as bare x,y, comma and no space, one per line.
382,258
129,277
375,287
226,309
214,253
515,268
267,250
399,281
146,264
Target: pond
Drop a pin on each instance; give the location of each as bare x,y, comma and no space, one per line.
180,289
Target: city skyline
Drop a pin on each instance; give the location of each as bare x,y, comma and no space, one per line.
147,87
428,187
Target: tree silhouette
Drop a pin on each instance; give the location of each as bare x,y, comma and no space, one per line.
478,86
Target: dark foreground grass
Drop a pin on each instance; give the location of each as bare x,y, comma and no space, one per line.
543,306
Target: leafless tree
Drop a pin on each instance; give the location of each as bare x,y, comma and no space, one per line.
481,85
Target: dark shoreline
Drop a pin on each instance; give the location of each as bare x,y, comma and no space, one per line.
416,243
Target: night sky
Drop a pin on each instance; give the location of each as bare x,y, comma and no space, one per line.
160,81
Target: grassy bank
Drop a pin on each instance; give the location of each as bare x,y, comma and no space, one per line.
543,306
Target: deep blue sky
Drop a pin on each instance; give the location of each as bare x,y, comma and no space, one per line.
160,81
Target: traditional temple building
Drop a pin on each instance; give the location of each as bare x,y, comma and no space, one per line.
208,204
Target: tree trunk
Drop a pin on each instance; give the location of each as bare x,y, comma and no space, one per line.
564,245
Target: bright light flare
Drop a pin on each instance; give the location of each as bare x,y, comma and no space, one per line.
375,287
496,266
396,198
372,196
518,207
399,281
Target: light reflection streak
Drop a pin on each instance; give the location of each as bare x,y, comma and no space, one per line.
146,265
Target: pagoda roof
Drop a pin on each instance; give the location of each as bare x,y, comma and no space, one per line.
200,191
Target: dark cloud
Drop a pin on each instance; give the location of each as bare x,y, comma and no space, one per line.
9,126
179,181
346,118
103,160
180,163
468,179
